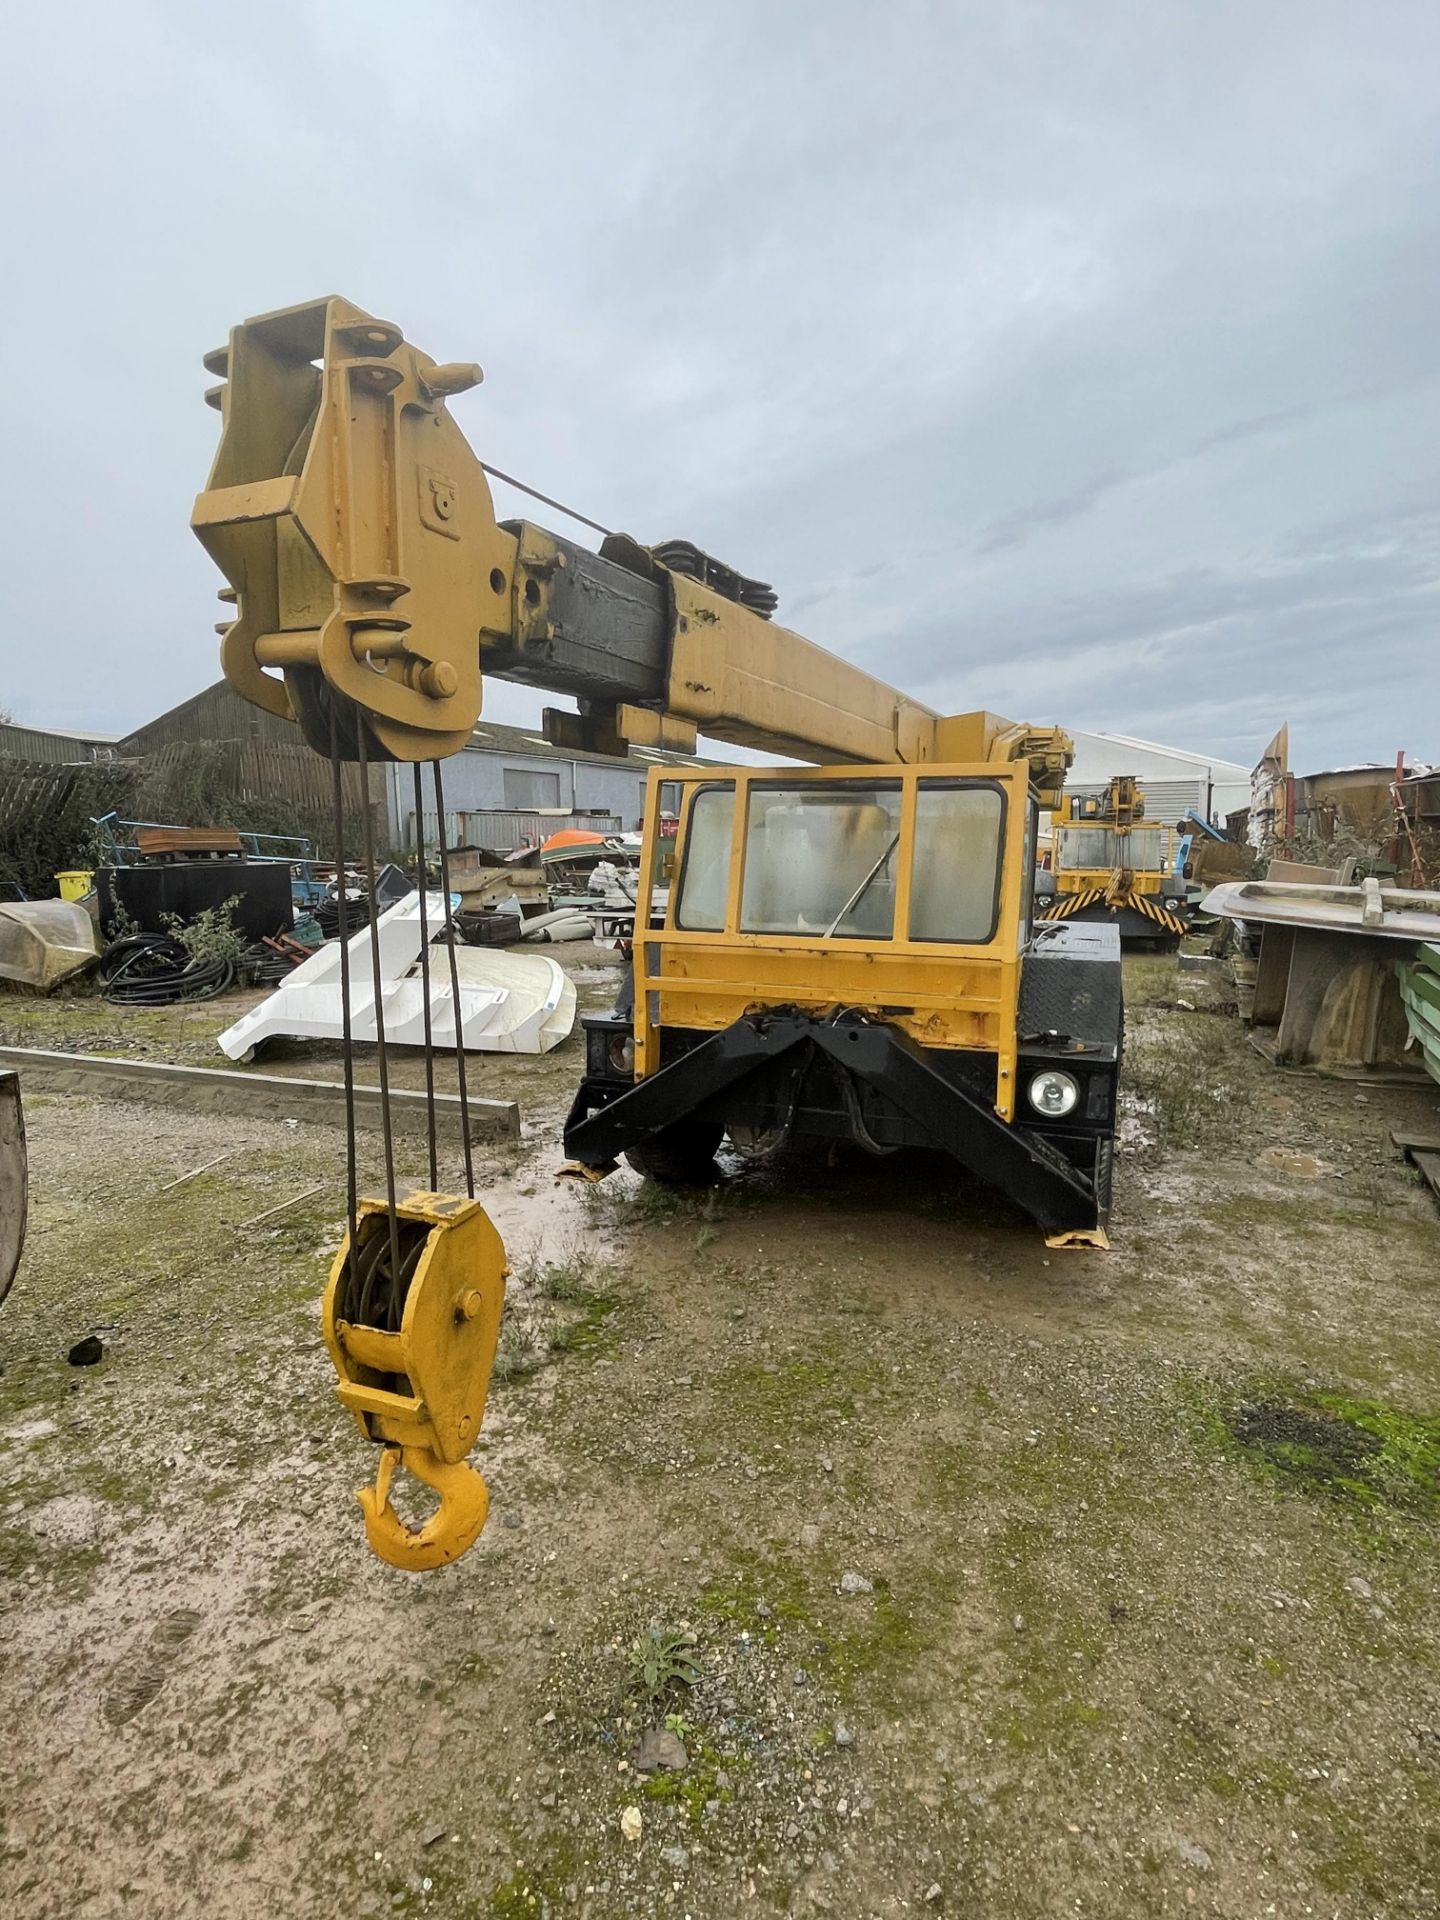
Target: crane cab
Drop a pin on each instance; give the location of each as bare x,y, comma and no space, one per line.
850,953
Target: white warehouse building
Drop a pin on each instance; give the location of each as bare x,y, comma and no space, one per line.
1172,779
516,770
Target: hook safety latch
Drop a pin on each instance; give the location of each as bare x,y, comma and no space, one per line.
451,1530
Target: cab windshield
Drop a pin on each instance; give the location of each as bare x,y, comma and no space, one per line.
1142,849
821,860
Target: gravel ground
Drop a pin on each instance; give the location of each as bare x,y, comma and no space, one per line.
849,1552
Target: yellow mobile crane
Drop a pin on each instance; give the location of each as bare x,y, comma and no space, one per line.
1110,864
848,950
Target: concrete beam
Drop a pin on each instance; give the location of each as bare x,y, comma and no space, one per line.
268,1096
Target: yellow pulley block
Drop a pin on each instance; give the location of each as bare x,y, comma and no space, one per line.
411,1320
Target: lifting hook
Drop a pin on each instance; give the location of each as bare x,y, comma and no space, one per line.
451,1530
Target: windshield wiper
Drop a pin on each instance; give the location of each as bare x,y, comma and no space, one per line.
863,887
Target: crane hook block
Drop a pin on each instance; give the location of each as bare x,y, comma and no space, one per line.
411,1320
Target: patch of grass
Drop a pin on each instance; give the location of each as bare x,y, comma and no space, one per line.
1365,1453
1175,1072
587,1332
950,1476
1150,978
797,1395
648,1203
69,1571
735,1606
886,1643
1050,1661
560,1310
1350,1867
868,1643
531,1891
563,1280
699,1784
521,1352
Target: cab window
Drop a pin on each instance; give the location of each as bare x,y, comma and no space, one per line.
821,860
955,885
705,863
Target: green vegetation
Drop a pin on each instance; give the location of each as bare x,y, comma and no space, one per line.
555,1308
530,1890
1175,1074
211,934
1361,1453
662,1659
700,1783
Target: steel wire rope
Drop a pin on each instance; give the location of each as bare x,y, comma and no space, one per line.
450,932
535,494
347,1031
423,880
381,1062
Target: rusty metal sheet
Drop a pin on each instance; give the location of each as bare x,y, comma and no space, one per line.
1369,909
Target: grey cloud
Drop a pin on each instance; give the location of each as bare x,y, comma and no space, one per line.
1077,361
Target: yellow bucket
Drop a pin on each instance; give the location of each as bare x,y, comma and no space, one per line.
75,886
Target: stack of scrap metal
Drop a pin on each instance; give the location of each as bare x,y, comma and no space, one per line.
1326,985
1420,993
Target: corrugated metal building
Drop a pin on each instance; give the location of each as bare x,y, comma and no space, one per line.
218,713
511,771
261,756
54,746
1172,779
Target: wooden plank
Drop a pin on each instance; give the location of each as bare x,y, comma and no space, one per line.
1429,1165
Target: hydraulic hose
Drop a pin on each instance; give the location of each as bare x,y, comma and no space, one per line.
153,970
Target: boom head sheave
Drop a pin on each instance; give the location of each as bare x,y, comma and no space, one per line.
354,526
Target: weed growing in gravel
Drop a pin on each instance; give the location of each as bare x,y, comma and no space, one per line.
531,1891
661,1659
554,1307
562,1280
1149,978
519,1356
1175,1073
647,1203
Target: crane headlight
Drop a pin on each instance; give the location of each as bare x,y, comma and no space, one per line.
1054,1093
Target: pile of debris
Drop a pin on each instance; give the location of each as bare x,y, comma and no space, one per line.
576,885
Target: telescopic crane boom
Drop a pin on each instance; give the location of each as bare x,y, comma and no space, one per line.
356,529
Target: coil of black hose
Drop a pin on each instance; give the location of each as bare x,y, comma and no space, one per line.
262,966
327,912
152,970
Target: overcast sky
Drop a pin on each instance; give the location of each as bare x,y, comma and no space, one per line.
1075,360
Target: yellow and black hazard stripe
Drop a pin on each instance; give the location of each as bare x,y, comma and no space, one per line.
1065,904
1153,910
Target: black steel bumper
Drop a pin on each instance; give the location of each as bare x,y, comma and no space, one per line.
882,1088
